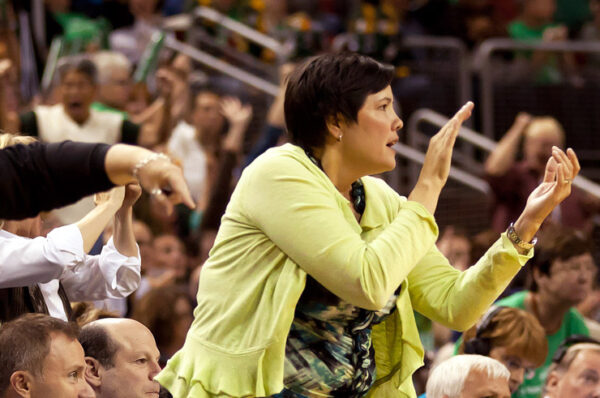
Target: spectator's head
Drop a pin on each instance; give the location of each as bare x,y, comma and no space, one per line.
58,5
144,238
145,9
345,98
575,372
78,81
207,117
512,336
456,247
41,357
468,376
121,357
541,135
167,312
169,253
30,227
563,268
114,78
538,11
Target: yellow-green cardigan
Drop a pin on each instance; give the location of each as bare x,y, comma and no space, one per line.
285,220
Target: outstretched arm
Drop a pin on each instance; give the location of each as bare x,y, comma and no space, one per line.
503,157
40,177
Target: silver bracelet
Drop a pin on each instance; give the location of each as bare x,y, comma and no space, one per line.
145,161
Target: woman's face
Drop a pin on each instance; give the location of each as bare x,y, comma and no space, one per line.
367,144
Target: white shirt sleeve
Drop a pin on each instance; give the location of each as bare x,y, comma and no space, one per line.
26,261
108,275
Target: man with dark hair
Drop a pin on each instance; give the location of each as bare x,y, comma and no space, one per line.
41,357
121,357
563,271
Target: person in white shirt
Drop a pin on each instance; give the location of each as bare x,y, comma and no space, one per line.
40,274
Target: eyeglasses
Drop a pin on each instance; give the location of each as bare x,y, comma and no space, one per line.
514,364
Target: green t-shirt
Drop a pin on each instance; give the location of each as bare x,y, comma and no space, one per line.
99,106
572,323
548,73
519,31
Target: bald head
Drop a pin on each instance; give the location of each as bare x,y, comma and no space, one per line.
122,358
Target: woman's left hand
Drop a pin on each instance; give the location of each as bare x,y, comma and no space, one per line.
560,171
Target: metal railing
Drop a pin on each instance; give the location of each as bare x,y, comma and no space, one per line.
221,66
253,35
484,59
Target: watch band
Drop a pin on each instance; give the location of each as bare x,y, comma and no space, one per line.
514,238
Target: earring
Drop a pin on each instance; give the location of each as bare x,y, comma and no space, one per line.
339,138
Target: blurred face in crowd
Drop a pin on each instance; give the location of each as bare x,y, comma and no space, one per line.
143,237
58,5
541,10
135,364
458,252
183,312
78,93
570,280
116,90
169,253
142,8
207,117
518,366
539,140
62,371
479,385
580,380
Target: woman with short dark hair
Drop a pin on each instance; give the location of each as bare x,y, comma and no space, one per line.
310,287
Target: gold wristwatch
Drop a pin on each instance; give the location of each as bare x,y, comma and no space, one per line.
514,238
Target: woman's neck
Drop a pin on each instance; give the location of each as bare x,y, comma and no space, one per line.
548,311
341,175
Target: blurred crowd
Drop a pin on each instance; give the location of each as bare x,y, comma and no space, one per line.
116,85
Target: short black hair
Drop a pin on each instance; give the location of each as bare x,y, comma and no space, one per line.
83,66
561,244
98,344
326,86
25,344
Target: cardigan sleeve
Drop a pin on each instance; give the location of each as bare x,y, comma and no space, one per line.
307,219
457,299
40,177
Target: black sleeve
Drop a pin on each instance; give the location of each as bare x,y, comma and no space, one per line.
28,123
129,132
40,177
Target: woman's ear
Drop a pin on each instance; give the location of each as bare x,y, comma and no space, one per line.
334,128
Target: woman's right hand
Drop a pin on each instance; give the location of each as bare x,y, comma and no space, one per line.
436,166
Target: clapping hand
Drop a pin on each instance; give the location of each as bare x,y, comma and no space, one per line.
112,198
436,166
560,171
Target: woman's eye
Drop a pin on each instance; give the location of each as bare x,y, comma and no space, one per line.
383,107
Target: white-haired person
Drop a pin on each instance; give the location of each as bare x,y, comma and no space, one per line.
469,376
